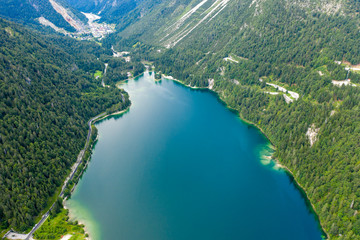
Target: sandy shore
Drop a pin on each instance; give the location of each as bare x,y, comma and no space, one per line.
71,216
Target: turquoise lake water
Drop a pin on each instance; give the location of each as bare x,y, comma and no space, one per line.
180,165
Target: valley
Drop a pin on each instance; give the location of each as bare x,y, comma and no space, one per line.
292,74
91,31
176,184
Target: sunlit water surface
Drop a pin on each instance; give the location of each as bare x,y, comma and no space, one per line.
180,165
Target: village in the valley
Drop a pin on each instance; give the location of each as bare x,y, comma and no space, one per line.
91,30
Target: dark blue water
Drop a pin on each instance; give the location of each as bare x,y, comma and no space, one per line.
179,165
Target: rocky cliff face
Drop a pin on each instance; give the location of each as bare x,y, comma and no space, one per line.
59,13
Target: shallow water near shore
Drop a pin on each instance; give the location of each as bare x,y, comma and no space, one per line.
180,165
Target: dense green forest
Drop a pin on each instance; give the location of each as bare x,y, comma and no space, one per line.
118,68
48,93
26,12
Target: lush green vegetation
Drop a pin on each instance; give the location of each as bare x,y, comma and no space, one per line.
58,225
48,93
82,167
118,69
98,74
27,12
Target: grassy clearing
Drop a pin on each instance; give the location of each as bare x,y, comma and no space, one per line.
323,70
3,231
59,225
98,74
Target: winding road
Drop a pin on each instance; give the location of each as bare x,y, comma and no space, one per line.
71,175
11,234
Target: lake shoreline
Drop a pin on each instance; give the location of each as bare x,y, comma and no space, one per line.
74,169
113,114
244,120
277,161
86,228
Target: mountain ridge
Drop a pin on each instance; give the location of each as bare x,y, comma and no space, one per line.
288,67
48,93
28,11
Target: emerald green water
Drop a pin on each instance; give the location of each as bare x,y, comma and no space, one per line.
180,165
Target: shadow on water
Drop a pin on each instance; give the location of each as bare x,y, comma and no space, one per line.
268,148
207,91
92,147
122,82
271,163
113,116
308,204
265,155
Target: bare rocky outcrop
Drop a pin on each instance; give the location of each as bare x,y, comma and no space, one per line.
186,24
288,99
329,7
83,31
231,59
46,22
346,82
312,133
211,83
272,93
236,82
68,16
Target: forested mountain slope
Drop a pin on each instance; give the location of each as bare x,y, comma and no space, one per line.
58,12
48,93
290,67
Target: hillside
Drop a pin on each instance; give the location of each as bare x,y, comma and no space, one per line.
48,93
289,67
58,16
58,12
285,72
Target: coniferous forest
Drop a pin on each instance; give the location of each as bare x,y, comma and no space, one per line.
49,92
